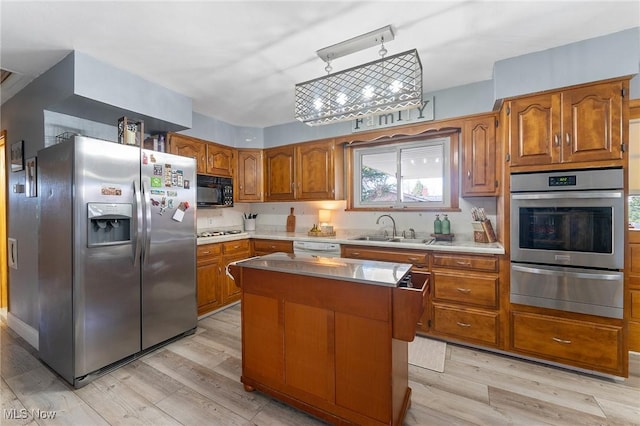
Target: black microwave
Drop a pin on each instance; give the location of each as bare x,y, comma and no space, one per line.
214,191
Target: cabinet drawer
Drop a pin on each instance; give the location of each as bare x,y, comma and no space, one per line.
469,325
473,289
389,255
465,261
207,251
272,246
580,343
237,246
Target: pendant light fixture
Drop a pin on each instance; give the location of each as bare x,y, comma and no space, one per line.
388,84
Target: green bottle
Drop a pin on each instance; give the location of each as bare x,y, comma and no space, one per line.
437,225
446,225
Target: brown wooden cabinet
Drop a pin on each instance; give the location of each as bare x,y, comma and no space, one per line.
576,125
632,306
279,173
214,288
219,160
587,344
232,251
208,277
466,298
187,146
248,178
262,247
479,176
306,171
418,258
211,158
337,349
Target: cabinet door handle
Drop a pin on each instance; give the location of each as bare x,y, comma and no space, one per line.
205,252
464,290
463,263
355,253
556,140
469,174
568,138
412,259
463,324
564,342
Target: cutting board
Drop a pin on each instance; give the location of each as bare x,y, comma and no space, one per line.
291,222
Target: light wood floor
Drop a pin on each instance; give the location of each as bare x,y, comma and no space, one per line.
195,381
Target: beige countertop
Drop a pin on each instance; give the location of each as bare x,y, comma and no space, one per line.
348,237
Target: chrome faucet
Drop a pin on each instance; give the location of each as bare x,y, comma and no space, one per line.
392,221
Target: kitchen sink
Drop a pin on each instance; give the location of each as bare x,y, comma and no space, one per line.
387,239
372,238
410,240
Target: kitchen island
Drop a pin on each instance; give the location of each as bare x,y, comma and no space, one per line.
330,335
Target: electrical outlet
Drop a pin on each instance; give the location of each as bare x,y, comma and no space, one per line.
210,221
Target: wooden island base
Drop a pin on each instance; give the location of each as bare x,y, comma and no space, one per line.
335,349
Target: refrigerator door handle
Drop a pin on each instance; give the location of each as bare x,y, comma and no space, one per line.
147,210
137,245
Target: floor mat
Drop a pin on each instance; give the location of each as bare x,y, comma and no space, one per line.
427,353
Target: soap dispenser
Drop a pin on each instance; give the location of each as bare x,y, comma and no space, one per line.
446,225
437,225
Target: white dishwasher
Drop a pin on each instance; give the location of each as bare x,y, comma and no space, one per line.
316,248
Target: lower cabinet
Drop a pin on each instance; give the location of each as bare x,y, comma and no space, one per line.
419,259
231,252
469,325
214,288
582,343
466,298
262,247
208,277
337,349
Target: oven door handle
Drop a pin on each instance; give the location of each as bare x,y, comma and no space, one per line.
564,273
565,195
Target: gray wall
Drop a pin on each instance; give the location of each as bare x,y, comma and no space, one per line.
51,105
613,55
214,130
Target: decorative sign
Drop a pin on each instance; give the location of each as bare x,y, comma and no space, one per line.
397,118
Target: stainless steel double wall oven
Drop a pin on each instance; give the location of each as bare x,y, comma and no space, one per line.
567,240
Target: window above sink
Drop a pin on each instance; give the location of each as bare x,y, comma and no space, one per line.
412,173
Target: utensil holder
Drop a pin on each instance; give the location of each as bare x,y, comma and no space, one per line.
249,224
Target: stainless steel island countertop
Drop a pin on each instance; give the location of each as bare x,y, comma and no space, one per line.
386,274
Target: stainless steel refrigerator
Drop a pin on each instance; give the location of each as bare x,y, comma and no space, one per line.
117,253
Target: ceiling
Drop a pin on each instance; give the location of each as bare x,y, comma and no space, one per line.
239,60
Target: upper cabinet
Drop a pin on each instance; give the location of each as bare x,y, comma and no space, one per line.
479,157
304,172
579,125
211,158
279,173
219,160
188,147
248,179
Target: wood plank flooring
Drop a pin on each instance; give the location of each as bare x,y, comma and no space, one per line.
195,381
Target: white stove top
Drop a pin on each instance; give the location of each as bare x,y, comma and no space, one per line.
221,233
